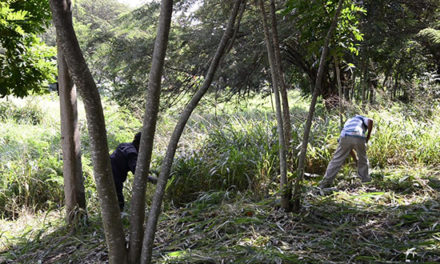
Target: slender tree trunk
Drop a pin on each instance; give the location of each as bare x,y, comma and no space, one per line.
283,87
365,83
147,248
74,194
338,78
385,81
276,81
305,141
353,87
283,91
137,216
235,30
62,18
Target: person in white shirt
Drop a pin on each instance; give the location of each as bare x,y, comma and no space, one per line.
354,136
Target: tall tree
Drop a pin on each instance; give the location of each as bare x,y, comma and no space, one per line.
316,91
340,99
150,230
391,29
149,127
283,87
75,200
276,82
62,18
304,45
286,187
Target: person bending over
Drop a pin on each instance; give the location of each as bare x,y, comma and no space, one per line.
123,160
354,136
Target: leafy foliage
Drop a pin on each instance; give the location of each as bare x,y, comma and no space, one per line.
26,64
432,34
391,28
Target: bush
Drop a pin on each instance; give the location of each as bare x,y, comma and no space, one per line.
235,147
405,140
30,113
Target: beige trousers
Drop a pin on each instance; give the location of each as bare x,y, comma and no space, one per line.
346,144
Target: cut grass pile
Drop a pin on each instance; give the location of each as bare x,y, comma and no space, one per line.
394,219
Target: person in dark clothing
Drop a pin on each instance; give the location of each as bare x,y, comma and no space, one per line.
123,160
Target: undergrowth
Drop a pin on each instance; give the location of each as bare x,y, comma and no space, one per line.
393,219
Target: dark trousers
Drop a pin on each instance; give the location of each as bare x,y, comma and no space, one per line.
119,184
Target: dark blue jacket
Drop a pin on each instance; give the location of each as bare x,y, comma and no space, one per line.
123,160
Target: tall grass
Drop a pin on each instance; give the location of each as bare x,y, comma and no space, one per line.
31,165
30,162
235,145
240,154
239,146
402,138
229,145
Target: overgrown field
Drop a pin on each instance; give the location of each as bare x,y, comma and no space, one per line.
221,202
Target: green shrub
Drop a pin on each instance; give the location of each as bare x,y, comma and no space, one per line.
241,149
30,113
404,140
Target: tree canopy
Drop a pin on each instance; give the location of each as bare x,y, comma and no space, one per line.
27,65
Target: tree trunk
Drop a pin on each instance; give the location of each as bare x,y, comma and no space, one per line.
153,216
75,199
365,83
338,78
286,186
305,141
283,87
352,87
62,18
137,215
285,203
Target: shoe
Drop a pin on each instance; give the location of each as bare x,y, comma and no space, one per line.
327,191
366,179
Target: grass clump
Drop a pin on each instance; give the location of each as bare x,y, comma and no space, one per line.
31,168
21,111
241,153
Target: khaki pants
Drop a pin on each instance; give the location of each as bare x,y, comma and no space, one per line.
346,144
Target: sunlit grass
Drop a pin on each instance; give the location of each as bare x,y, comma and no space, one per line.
31,156
29,226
